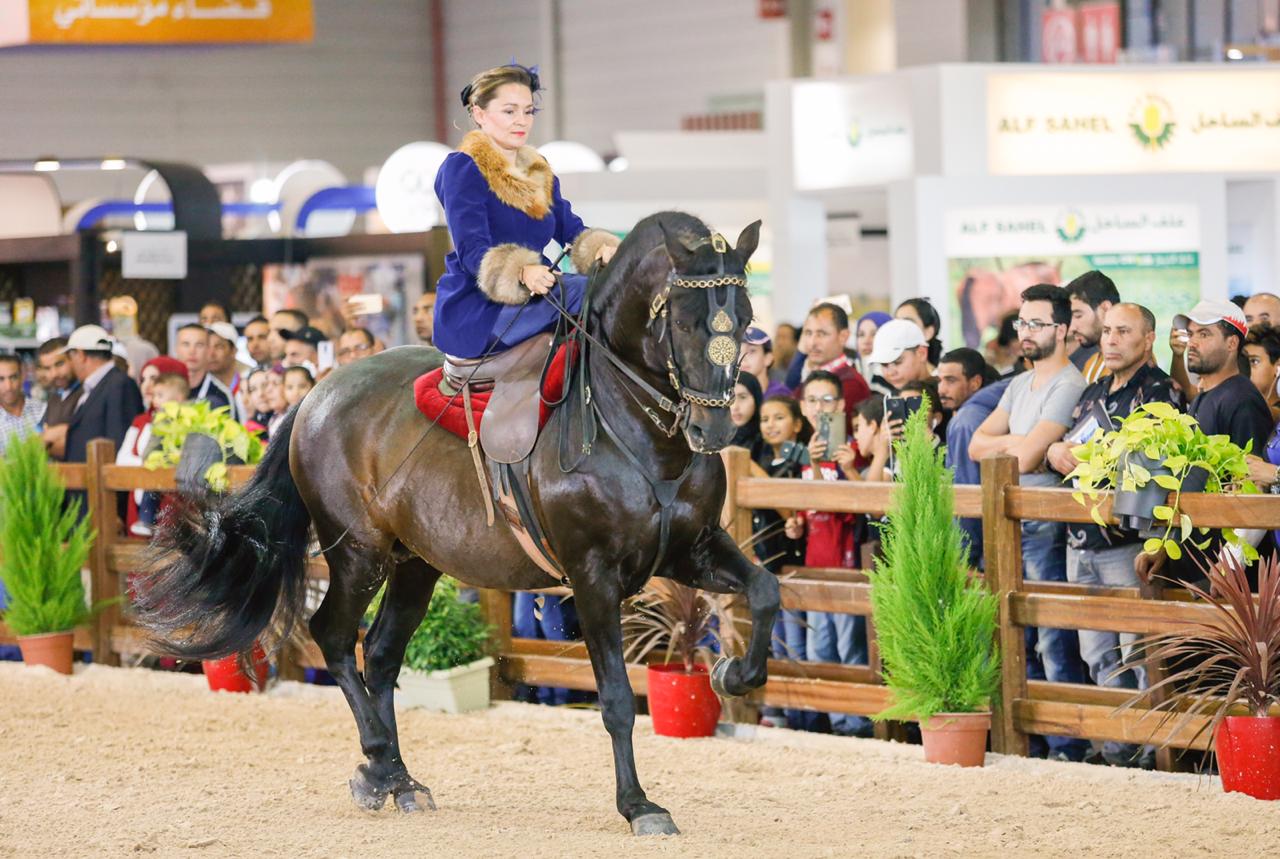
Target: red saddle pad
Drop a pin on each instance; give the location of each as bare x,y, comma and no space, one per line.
448,411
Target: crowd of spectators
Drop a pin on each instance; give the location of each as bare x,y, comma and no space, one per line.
1072,361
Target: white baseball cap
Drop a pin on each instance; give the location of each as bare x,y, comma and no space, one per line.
226,331
89,338
893,338
1209,312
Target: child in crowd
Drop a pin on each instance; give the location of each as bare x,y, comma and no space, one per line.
781,453
167,387
744,411
832,637
297,382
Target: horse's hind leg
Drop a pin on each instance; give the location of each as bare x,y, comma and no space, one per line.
355,572
405,603
600,615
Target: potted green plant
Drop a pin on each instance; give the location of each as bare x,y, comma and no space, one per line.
1158,450
43,545
200,442
1228,669
446,663
678,630
935,625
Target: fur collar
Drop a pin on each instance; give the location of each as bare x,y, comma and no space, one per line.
526,185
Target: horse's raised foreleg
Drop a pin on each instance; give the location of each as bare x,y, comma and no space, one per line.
600,615
354,576
403,606
718,565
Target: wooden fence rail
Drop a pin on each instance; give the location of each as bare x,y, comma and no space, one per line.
1023,707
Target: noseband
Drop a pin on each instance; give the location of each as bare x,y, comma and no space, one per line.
721,321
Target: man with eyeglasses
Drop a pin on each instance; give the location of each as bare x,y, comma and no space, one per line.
354,344
1034,412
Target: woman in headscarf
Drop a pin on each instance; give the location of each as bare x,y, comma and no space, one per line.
864,340
744,411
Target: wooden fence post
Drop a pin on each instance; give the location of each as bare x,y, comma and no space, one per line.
737,522
104,581
1002,550
496,607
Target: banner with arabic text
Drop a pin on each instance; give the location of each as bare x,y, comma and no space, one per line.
113,22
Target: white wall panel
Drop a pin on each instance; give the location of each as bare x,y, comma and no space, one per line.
361,89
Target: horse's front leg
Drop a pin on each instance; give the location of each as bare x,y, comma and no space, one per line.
718,565
600,615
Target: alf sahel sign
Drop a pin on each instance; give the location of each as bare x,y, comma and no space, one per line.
108,22
1092,123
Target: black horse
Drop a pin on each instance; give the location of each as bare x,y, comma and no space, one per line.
389,505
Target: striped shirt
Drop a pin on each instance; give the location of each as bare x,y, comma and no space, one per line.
12,425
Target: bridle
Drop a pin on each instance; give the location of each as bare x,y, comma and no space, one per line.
721,320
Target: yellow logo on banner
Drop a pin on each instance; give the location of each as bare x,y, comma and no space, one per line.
169,21
1152,122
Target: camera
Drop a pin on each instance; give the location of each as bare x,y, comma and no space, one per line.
900,408
791,457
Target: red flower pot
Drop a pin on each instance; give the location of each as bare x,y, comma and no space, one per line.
51,649
225,675
681,702
957,739
1248,750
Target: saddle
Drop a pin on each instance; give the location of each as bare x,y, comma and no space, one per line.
513,380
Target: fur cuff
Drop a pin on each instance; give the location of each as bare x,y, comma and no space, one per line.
587,245
499,277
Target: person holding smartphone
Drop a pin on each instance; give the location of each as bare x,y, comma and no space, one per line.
832,637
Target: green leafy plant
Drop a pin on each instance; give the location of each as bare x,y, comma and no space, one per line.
453,633
684,624
1228,665
176,421
43,543
1167,436
935,625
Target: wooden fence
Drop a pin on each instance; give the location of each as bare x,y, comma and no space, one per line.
1023,707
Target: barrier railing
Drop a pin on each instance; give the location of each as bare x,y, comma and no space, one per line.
1023,707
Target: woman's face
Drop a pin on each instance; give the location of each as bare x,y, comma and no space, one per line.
274,393
147,383
777,424
508,117
866,336
908,312
743,406
1261,371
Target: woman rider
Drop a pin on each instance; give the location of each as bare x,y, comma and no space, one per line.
503,206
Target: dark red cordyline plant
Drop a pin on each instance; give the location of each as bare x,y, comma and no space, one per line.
1226,666
678,621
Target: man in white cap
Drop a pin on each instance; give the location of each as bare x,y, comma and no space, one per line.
109,400
222,362
902,353
1227,404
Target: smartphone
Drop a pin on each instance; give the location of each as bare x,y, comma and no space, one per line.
831,429
900,408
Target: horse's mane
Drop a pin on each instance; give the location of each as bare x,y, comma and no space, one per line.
644,237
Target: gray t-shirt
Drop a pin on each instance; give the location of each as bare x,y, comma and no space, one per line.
1054,401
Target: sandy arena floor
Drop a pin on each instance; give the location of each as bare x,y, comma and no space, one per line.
117,762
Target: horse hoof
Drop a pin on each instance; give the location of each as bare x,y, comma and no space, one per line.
654,824
366,795
719,677
407,802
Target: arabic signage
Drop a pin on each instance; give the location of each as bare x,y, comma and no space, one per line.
847,134
1151,251
82,22
1202,121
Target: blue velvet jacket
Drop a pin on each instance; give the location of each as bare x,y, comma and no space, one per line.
500,218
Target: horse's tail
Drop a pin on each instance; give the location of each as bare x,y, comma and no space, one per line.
228,569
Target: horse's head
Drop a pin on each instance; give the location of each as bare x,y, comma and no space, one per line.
703,310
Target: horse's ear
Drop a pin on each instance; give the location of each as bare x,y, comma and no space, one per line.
680,252
748,240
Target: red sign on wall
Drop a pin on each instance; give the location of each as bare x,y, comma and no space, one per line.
773,8
1058,36
1099,27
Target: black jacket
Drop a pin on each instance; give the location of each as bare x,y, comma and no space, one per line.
107,413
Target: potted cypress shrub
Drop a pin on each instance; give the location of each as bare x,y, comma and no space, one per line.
43,545
446,662
935,625
678,631
1227,669
1155,451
